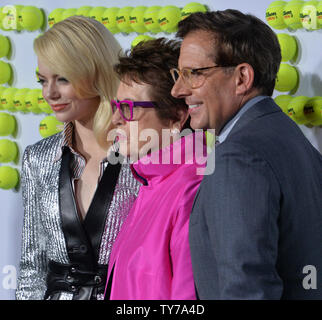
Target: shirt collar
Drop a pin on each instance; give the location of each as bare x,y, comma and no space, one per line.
160,164
66,141
231,123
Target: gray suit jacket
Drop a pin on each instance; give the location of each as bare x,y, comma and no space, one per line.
256,222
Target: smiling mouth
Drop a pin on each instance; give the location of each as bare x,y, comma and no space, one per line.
59,107
193,106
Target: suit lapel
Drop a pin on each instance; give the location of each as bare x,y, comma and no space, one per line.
258,110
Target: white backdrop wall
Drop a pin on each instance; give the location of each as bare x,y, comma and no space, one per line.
23,60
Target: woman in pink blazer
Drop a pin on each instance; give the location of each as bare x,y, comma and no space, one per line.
151,256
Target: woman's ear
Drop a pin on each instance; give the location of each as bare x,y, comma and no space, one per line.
183,116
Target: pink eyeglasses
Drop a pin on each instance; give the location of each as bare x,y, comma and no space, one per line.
126,107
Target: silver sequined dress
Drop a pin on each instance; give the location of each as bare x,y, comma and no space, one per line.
42,236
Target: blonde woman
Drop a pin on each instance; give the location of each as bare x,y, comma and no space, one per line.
75,201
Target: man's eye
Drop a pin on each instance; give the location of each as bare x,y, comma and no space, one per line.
196,72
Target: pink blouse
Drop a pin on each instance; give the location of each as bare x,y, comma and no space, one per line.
150,258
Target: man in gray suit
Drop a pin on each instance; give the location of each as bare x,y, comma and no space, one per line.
256,224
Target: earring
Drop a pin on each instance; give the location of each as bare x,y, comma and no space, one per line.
175,131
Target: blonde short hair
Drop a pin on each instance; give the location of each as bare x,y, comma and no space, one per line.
83,51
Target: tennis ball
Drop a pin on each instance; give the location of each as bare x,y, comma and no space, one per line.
42,103
137,19
68,13
31,18
313,111
210,139
169,17
288,46
5,72
96,13
49,126
7,99
287,78
83,11
31,101
4,46
274,15
55,16
282,101
140,38
319,14
2,15
1,90
8,150
291,14
9,177
19,100
123,19
295,109
11,17
191,8
308,15
150,19
7,124
109,19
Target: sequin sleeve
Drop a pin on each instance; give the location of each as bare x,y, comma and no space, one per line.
32,278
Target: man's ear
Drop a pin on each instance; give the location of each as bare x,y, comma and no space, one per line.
244,75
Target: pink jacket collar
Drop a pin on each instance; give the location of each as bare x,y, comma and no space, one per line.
156,166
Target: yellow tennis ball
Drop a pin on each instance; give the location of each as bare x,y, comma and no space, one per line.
55,16
4,46
83,11
49,126
123,19
1,90
9,177
291,14
274,15
282,101
191,8
32,18
19,100
7,99
150,19
109,19
140,38
96,13
31,101
288,46
11,17
42,103
313,111
7,124
295,109
319,14
8,150
5,72
308,15
210,139
287,78
2,15
68,13
169,17
137,19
